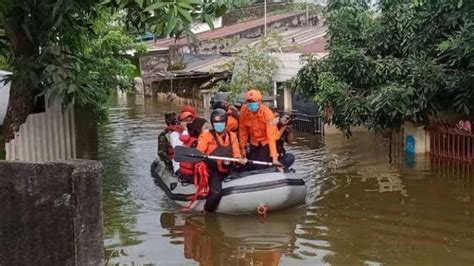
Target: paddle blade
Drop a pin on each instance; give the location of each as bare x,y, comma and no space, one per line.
186,154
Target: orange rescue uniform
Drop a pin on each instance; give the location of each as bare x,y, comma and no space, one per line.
260,128
232,124
207,143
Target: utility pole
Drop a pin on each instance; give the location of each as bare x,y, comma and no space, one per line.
307,14
264,17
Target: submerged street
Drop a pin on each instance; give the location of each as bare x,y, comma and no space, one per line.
366,204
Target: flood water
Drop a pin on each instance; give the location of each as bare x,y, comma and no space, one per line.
367,204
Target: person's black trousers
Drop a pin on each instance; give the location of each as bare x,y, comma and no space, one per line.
215,185
259,153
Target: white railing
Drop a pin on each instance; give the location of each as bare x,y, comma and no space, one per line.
45,136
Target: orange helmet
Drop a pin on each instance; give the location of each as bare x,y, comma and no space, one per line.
253,95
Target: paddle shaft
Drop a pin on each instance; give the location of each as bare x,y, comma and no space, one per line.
236,160
184,154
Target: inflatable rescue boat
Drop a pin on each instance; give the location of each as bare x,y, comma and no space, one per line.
261,191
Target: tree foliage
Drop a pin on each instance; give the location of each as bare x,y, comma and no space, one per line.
169,18
58,48
253,67
99,67
407,60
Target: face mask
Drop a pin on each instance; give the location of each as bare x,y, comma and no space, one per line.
253,107
219,127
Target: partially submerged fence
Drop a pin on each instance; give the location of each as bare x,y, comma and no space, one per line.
452,140
312,124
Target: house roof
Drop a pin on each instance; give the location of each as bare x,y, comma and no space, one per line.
222,32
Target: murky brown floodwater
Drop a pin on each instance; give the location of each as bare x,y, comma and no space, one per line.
364,205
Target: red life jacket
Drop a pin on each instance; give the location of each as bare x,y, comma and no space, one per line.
187,168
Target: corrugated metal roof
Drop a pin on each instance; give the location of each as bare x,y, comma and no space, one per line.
212,65
224,31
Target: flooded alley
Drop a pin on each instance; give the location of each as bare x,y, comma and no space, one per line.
367,204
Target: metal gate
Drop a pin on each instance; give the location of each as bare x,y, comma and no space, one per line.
451,140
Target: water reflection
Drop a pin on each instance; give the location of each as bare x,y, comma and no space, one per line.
367,204
233,240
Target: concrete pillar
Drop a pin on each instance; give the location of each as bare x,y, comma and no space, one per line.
206,98
287,100
86,133
139,87
275,92
148,91
51,213
416,139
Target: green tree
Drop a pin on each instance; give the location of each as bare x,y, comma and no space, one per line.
50,47
253,67
405,61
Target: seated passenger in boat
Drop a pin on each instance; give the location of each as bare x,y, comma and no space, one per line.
232,115
218,142
165,151
286,132
195,128
187,115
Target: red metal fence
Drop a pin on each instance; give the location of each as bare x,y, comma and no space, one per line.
452,140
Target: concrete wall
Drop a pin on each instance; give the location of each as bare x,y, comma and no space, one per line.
416,139
186,88
51,213
251,12
4,95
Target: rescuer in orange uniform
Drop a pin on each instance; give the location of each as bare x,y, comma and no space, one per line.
257,126
218,142
232,115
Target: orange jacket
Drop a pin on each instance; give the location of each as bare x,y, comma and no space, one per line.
232,124
207,144
260,127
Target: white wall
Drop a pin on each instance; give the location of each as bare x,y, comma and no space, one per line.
288,66
4,95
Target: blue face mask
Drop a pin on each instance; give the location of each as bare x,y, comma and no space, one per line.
219,127
253,107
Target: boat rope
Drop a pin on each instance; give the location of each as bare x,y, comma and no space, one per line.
262,210
201,183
